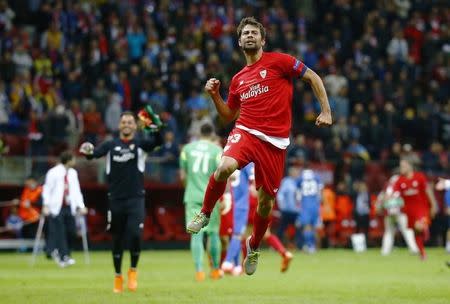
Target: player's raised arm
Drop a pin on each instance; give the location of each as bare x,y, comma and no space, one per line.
324,118
227,114
90,151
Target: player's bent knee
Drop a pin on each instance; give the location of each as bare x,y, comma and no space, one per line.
224,171
264,207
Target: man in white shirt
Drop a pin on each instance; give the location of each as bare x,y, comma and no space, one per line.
62,199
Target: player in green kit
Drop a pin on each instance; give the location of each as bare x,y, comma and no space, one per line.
198,161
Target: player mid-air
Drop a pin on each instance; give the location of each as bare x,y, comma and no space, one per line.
260,98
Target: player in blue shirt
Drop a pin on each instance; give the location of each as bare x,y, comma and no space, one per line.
241,182
289,204
310,194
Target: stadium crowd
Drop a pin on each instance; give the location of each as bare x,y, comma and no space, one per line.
69,68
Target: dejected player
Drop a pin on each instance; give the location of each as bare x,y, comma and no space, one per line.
198,160
260,97
420,203
125,166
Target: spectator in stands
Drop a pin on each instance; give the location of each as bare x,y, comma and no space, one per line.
58,127
298,152
168,154
76,123
4,104
113,112
398,47
6,17
22,59
100,95
92,123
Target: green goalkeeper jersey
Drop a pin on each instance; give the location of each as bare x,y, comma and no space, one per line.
199,160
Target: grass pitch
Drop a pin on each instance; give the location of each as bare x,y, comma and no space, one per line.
330,276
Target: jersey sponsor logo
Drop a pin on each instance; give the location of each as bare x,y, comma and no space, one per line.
263,73
254,91
123,158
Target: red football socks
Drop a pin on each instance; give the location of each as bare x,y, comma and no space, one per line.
420,244
260,225
214,191
276,244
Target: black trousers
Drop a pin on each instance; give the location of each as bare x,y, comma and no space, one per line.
126,218
62,231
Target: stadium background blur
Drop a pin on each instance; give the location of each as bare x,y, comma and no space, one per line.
68,68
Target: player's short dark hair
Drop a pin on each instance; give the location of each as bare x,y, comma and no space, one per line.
128,113
65,157
251,21
206,129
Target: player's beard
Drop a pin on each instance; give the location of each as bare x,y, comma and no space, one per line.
251,49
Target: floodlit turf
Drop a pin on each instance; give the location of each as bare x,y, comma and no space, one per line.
330,276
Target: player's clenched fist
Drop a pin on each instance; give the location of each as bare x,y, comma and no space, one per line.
212,86
86,148
324,119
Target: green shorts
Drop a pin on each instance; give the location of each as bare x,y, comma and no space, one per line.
192,208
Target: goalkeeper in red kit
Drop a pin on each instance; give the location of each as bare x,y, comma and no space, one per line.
260,98
420,202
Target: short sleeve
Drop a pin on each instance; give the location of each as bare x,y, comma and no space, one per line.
291,66
182,160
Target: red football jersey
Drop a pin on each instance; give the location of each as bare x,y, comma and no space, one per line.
412,190
263,92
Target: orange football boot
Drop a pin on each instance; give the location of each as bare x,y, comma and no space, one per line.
118,283
132,280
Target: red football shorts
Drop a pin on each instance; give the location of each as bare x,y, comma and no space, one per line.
268,159
421,215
